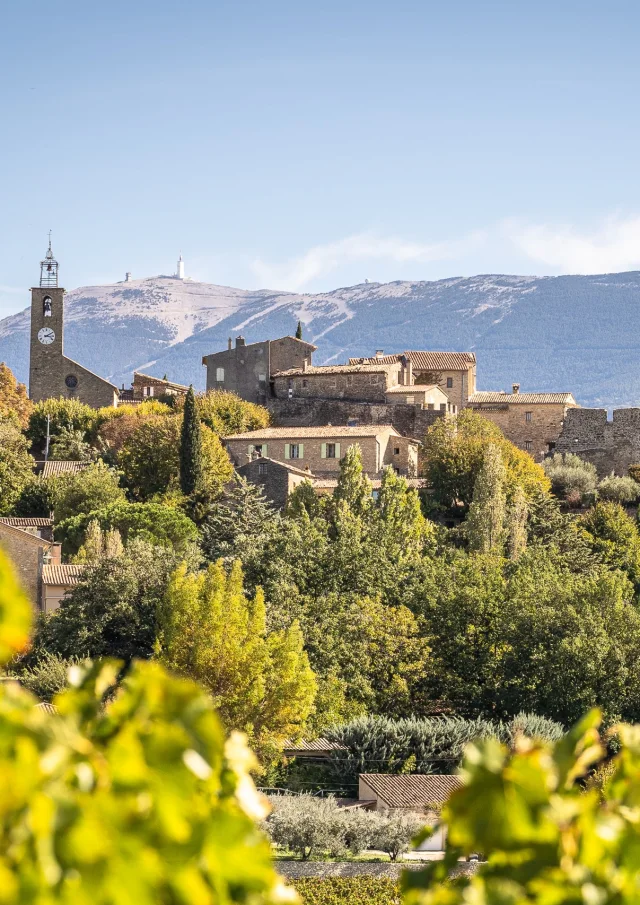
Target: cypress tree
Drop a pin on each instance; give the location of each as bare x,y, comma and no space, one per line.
190,447
299,330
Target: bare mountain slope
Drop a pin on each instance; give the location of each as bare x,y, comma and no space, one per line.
579,333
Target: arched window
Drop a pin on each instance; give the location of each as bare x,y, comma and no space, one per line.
46,306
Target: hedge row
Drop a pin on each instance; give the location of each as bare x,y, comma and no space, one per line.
348,890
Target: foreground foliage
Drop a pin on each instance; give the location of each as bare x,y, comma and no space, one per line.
546,837
128,799
348,890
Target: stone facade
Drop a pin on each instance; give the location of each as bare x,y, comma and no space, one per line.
532,421
408,420
146,387
428,397
247,369
453,372
51,374
277,479
321,449
364,383
612,446
28,552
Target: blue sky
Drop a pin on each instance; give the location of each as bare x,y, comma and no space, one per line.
307,146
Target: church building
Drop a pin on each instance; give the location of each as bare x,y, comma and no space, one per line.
51,374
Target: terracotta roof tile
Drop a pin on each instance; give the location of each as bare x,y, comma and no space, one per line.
300,433
412,790
62,574
414,388
426,361
15,522
522,398
53,469
374,367
292,468
315,746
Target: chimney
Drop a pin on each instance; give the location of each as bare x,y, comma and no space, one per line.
230,344
240,341
379,353
408,373
515,388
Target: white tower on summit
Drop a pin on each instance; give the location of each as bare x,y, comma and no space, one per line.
180,270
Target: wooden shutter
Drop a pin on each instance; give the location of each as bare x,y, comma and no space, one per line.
337,450
287,451
323,450
301,450
265,450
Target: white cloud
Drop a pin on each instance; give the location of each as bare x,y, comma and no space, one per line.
613,247
322,260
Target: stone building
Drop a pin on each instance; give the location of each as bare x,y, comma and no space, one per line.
57,580
428,397
533,421
453,372
51,374
277,479
146,387
29,553
247,370
364,383
320,449
611,445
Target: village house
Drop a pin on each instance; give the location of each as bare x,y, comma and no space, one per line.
532,421
247,370
277,479
146,387
453,372
320,448
29,553
363,382
57,580
428,397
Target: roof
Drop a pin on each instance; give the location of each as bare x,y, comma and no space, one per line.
291,468
316,747
43,522
167,383
412,790
62,574
427,361
24,535
415,388
522,398
301,433
364,368
93,374
53,469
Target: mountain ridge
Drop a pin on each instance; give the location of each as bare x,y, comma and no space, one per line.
569,333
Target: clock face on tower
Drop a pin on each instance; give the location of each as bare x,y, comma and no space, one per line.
46,336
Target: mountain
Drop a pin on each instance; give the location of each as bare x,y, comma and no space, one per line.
577,333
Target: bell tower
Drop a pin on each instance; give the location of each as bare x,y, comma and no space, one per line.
47,324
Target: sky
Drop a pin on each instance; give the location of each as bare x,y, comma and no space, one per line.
299,146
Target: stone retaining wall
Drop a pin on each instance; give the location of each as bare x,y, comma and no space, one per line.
408,420
609,445
294,870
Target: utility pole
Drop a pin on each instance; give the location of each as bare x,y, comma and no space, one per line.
46,449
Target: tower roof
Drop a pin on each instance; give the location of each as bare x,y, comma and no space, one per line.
49,269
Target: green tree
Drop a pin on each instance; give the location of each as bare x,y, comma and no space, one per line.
544,838
225,413
190,447
16,465
155,523
516,524
260,682
71,444
63,413
614,538
618,490
299,330
454,451
485,524
93,488
569,474
354,487
14,401
125,794
99,544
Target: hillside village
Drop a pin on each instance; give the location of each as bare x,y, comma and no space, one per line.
332,533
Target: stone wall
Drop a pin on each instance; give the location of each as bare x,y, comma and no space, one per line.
25,551
533,427
408,420
294,870
609,445
368,385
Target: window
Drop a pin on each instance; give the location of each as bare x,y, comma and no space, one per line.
294,451
220,375
352,422
262,468
449,382
528,445
527,416
257,448
443,406
331,450
148,391
71,381
46,306
396,450
430,406
304,383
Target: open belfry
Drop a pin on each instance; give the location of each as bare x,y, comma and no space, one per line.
51,374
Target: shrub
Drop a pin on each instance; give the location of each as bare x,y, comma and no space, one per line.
618,490
347,890
394,832
304,824
634,472
225,413
47,677
569,474
69,413
92,488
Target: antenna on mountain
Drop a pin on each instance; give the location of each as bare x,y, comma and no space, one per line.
180,268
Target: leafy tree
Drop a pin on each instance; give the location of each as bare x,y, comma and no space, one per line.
99,544
354,487
70,444
13,397
303,498
550,528
516,524
37,497
64,413
614,538
394,833
485,525
618,490
48,676
403,530
150,459
93,488
16,465
113,611
124,794
543,837
454,450
190,447
260,682
225,413
113,426
570,474
304,824
239,524
299,330
155,523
